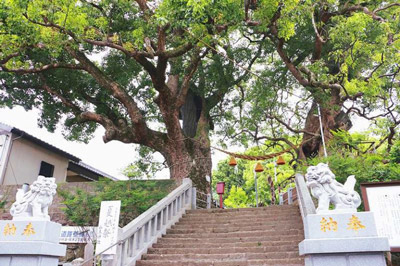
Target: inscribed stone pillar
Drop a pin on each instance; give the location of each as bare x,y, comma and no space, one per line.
31,238
342,236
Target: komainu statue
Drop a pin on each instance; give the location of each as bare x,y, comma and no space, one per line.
34,204
326,189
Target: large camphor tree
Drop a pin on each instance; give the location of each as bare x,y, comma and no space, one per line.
341,55
137,68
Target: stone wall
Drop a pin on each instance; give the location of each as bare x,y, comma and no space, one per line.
7,193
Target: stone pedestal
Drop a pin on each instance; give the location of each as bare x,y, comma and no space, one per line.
33,243
343,239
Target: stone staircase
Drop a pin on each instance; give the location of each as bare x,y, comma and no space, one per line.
252,236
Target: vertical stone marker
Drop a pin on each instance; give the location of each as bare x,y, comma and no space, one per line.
107,231
30,238
342,236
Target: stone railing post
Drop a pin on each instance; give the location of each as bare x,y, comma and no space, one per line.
31,238
194,199
281,199
290,196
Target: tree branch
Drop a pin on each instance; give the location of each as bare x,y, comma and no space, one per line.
386,7
115,89
42,68
289,127
8,58
190,70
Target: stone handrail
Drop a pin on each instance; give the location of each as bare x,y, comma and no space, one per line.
306,203
137,236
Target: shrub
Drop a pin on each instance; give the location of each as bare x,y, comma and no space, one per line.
82,207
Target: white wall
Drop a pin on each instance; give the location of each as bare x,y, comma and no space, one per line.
24,163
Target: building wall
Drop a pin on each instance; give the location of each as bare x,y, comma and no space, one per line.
25,159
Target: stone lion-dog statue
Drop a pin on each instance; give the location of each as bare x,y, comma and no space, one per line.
326,189
34,204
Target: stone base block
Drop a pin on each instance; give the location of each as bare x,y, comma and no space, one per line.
46,231
28,260
351,259
343,239
344,245
33,243
340,225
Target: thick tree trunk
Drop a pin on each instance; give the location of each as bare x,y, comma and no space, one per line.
332,119
190,159
190,114
188,154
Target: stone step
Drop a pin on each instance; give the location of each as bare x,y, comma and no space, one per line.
260,233
232,228
221,257
222,224
231,237
286,262
260,209
203,241
241,219
172,244
222,250
239,214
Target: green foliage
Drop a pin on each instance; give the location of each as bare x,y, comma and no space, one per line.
83,207
145,166
241,180
237,198
3,202
395,153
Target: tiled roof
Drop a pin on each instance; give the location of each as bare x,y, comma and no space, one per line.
97,171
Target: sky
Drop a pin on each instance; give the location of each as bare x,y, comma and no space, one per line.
111,157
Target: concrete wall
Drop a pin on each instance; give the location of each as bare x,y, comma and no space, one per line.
24,163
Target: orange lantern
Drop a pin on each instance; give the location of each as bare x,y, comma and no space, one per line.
280,161
259,168
232,161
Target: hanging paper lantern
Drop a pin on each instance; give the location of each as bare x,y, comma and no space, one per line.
232,161
259,168
280,161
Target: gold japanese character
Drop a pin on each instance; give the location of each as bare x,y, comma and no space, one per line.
328,225
9,230
29,230
355,224
333,224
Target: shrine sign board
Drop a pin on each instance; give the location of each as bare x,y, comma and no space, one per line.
107,231
78,234
383,199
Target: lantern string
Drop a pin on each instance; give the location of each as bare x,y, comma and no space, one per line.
253,157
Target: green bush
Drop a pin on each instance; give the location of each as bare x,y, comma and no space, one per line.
82,207
237,198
